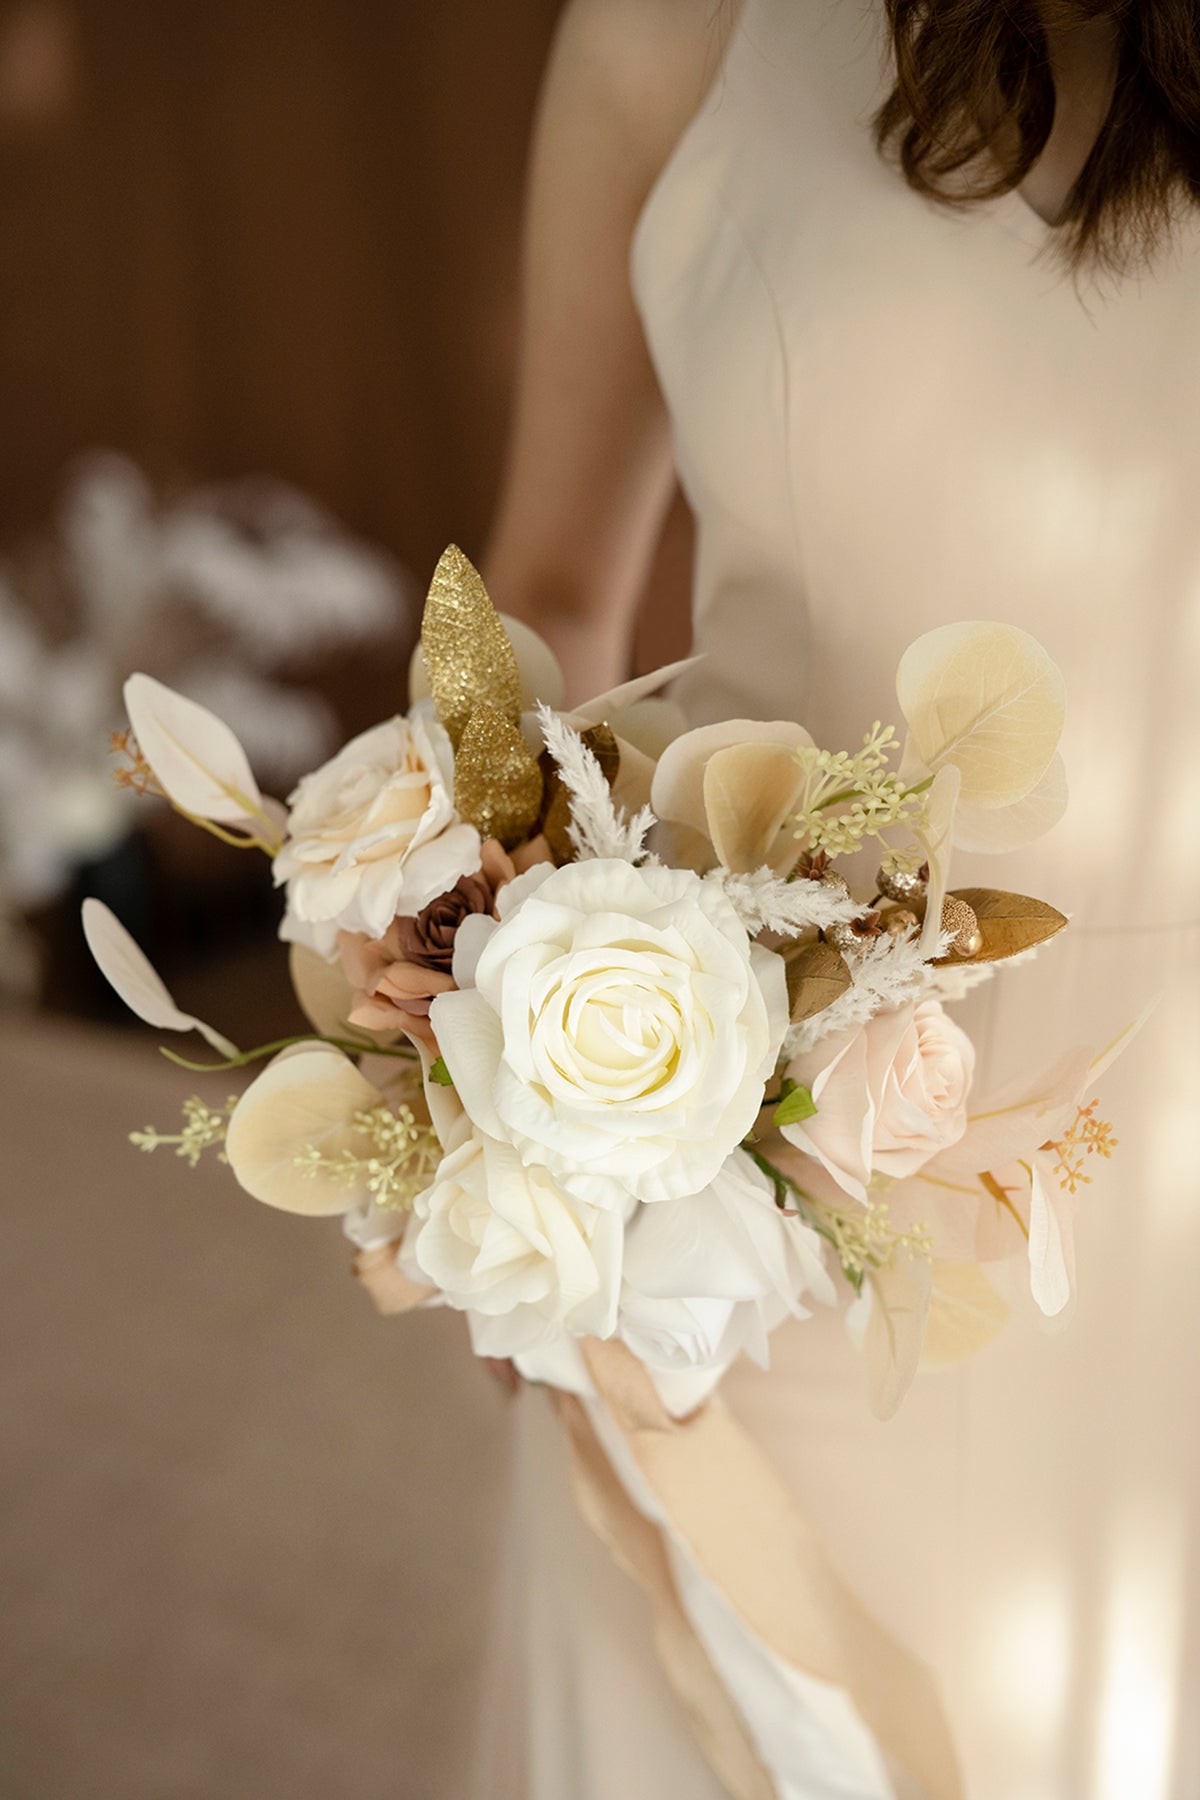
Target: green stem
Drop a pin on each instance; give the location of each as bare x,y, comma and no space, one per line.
779,1181
232,838
918,787
807,1207
353,1046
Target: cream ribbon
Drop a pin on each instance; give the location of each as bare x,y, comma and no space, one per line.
725,1506
743,1530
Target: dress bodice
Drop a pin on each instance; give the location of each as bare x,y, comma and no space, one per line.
889,415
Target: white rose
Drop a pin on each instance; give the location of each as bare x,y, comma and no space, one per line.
889,1095
502,1242
620,1029
710,1275
374,833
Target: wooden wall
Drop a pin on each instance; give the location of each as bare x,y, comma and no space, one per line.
266,235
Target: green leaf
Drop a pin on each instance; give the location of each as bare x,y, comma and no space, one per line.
439,1073
797,1104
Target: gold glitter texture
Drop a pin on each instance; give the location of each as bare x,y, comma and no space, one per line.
467,654
960,918
497,782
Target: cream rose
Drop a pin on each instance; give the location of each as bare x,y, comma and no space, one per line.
503,1243
889,1095
374,833
616,1026
711,1275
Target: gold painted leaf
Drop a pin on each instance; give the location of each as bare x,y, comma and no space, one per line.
537,665
965,1313
557,815
1009,923
468,657
497,781
816,975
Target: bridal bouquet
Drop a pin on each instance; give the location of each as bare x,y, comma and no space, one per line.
630,1042
606,1045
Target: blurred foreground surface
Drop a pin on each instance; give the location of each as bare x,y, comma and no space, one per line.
247,1527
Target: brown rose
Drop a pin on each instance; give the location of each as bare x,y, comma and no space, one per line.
396,977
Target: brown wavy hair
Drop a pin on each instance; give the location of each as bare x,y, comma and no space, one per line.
973,104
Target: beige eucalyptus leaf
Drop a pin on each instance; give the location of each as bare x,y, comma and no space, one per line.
197,760
992,829
324,994
131,974
988,699
900,1296
307,1096
649,725
611,704
678,791
965,1314
750,793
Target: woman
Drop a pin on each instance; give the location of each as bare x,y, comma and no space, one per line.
917,318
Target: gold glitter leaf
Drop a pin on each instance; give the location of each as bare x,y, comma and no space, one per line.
497,782
1008,923
603,746
468,656
816,975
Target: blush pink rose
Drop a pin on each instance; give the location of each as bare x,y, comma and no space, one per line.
889,1095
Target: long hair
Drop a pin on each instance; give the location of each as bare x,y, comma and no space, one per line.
973,104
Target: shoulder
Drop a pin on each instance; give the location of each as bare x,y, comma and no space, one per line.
647,63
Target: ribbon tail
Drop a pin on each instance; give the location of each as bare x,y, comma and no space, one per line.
760,1591
636,1545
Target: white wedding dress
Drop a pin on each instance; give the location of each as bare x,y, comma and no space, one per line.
888,416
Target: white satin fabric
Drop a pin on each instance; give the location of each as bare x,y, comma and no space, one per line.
889,416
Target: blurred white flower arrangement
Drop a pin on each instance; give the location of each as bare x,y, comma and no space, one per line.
220,591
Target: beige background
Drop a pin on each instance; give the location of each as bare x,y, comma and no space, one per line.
247,1525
